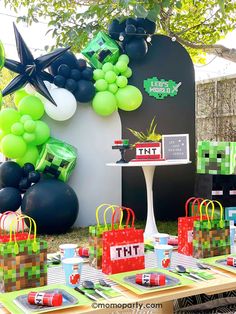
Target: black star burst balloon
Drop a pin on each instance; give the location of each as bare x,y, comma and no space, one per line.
30,70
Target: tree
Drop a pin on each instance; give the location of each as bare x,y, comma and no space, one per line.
5,77
197,24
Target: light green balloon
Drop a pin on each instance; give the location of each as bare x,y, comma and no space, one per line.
42,133
19,94
2,56
124,58
8,116
98,74
128,73
108,66
129,98
17,128
101,85
32,106
24,118
13,146
116,70
30,126
121,66
104,103
113,88
29,137
31,156
121,81
110,77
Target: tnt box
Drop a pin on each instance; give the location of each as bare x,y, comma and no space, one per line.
148,151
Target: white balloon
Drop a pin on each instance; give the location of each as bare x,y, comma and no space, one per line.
30,89
66,105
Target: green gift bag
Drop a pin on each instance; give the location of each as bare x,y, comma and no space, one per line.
211,237
23,261
95,235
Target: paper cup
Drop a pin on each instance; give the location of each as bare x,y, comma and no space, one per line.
163,254
232,235
72,269
160,238
67,250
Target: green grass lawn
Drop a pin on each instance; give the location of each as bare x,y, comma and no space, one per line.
80,235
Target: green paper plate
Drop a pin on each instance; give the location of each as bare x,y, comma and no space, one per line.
216,261
122,280
7,299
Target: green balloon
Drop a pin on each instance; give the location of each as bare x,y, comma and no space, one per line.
124,58
24,118
19,94
108,66
104,103
17,128
29,137
98,74
2,134
42,133
129,98
101,85
30,156
30,126
121,66
116,70
110,77
113,88
13,146
8,116
2,56
32,106
128,73
121,81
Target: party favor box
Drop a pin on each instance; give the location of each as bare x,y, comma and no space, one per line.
216,157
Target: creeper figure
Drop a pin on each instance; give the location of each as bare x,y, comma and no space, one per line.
216,157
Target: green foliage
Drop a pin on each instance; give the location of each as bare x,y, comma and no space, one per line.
5,77
150,136
73,22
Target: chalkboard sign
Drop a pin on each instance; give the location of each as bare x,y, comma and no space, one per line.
175,146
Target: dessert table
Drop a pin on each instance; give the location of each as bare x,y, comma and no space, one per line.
148,171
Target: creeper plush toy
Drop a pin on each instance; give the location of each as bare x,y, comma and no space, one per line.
216,157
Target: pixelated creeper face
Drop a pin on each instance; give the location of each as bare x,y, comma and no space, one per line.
216,157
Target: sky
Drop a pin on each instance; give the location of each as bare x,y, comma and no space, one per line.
36,39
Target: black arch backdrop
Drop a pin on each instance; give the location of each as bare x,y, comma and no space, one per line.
168,60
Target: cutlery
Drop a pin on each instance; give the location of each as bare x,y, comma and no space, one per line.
91,297
90,285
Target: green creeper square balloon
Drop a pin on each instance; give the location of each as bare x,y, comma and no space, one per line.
101,49
57,159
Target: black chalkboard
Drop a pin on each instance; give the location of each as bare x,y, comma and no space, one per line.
175,146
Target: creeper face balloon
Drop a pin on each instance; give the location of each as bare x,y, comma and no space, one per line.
216,157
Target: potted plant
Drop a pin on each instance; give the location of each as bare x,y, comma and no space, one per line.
148,147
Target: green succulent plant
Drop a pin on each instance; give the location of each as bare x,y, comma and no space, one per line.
150,135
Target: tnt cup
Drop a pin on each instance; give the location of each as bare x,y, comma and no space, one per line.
160,238
163,253
68,250
72,269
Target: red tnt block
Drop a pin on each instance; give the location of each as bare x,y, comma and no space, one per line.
150,151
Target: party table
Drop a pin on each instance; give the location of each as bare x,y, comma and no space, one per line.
148,171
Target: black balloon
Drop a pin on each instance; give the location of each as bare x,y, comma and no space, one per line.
24,184
71,84
34,176
59,81
115,28
149,26
10,199
136,49
30,70
67,58
131,21
81,64
85,91
64,70
10,174
75,74
53,205
130,29
87,74
27,168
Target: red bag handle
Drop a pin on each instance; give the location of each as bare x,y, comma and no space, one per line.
129,210
194,199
